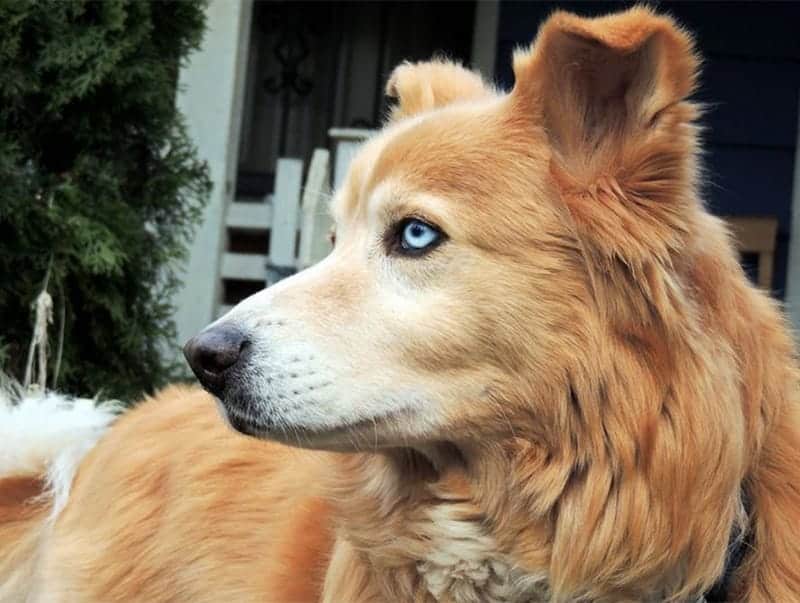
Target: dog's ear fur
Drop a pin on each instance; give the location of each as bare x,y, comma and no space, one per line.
420,87
611,92
608,76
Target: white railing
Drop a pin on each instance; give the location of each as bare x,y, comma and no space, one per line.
295,218
316,223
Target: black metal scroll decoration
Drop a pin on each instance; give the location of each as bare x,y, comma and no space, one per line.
291,50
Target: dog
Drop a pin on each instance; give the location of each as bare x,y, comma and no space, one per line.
531,369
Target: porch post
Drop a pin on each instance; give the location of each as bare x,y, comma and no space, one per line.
211,92
793,268
484,37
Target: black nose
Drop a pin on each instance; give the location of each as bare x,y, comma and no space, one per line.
213,352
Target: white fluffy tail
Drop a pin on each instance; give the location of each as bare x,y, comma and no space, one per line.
43,437
48,434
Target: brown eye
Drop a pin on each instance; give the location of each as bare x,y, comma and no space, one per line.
332,237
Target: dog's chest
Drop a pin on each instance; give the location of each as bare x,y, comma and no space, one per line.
463,564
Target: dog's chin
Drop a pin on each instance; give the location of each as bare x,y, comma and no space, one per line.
358,436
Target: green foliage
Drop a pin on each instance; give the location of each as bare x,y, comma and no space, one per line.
96,170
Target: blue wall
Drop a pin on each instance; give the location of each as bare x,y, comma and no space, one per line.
750,82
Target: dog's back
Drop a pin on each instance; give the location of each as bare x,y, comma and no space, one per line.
22,519
174,506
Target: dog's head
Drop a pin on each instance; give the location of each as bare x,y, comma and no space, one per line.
466,287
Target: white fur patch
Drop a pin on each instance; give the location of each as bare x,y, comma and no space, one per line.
49,433
464,565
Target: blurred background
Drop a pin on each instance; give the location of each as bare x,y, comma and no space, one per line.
161,161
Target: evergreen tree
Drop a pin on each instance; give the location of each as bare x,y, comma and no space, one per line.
98,181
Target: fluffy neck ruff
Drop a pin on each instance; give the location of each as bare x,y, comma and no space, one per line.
412,519
445,525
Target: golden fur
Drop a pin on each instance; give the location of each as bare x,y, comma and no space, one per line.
611,387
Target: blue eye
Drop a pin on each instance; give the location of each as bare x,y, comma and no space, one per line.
417,236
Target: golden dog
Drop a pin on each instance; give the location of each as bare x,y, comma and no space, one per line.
531,369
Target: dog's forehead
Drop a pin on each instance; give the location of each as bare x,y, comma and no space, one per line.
361,178
453,152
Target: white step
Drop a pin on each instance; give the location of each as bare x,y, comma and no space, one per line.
244,266
250,216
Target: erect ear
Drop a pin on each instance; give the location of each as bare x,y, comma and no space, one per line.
609,92
424,86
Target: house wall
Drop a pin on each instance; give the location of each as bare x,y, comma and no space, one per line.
210,98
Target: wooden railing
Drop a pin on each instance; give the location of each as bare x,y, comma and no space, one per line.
757,236
295,218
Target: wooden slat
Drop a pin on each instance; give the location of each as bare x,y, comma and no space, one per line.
348,141
757,235
754,235
766,263
357,134
316,221
250,215
285,208
244,266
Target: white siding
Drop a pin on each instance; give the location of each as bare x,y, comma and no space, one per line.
211,89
